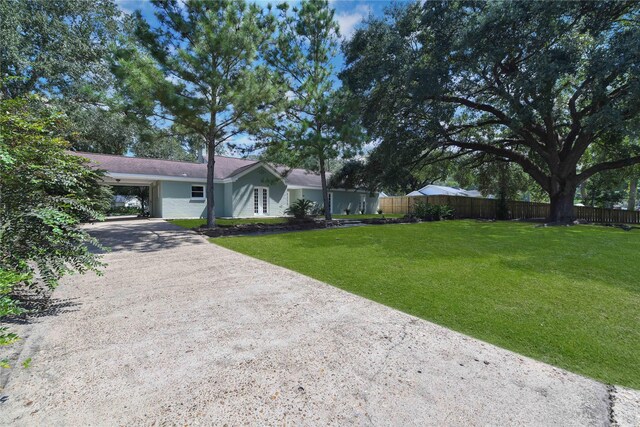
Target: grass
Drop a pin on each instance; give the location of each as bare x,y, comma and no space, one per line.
569,296
226,222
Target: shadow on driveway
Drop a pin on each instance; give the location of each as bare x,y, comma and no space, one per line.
143,235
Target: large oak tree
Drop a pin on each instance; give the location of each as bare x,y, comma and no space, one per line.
533,83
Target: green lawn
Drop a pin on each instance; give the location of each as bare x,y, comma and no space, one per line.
222,222
569,296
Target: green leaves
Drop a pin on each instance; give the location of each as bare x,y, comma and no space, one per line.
45,192
531,83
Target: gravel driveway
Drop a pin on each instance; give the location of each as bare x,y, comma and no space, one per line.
182,331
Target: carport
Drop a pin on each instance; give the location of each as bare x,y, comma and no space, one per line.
151,201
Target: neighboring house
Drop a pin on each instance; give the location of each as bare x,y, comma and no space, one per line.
242,188
441,190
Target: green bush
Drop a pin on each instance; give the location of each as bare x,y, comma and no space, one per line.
123,210
8,304
300,209
428,212
45,194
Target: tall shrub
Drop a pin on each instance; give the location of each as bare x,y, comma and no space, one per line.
45,193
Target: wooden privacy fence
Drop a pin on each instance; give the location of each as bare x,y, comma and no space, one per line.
471,207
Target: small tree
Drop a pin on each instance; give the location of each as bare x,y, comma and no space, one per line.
201,65
318,124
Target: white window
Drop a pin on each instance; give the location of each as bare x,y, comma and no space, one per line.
363,203
330,202
261,201
197,191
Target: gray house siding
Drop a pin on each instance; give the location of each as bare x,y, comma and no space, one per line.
242,198
228,199
177,201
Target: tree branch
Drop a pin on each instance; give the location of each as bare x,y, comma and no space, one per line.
600,167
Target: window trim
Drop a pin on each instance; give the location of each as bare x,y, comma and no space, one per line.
204,192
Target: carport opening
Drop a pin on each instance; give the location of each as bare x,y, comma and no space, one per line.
130,200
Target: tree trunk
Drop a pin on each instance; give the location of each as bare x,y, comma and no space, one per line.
211,164
562,209
633,191
325,191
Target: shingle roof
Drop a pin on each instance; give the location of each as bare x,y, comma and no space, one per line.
226,167
302,178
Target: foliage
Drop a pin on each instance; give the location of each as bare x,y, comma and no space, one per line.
123,210
428,212
318,123
8,305
45,192
199,69
141,193
511,284
300,209
447,79
54,48
61,50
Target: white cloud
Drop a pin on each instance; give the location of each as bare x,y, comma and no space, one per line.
349,20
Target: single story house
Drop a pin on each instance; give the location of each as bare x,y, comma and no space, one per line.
242,188
441,190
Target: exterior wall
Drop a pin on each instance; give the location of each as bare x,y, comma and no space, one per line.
242,198
177,201
294,195
228,199
172,199
343,199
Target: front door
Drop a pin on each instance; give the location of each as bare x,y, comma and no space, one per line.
261,201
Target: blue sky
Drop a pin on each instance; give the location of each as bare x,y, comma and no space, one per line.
349,13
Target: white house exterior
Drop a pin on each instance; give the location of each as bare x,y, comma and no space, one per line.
242,188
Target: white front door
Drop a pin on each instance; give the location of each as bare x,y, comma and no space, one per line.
261,201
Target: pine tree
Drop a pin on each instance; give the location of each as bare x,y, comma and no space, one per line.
202,67
318,124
